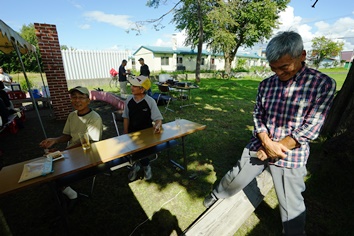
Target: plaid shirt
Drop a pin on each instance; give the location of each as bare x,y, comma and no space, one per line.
295,108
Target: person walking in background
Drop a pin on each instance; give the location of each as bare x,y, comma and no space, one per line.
139,113
144,70
82,120
122,74
290,110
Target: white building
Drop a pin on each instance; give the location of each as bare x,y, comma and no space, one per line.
172,59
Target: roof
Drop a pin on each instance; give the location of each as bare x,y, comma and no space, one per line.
189,51
158,49
347,56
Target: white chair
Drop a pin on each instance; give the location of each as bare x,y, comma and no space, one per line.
165,95
117,117
163,78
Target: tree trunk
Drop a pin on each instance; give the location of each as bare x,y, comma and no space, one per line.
339,125
200,43
228,61
340,104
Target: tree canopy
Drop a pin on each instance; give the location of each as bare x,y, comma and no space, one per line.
242,23
226,25
323,48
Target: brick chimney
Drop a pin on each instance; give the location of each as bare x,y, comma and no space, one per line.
49,48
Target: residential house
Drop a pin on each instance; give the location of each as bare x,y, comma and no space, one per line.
171,59
347,57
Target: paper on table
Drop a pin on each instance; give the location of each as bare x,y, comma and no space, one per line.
36,168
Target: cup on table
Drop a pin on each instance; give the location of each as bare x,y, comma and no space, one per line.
157,129
178,122
85,140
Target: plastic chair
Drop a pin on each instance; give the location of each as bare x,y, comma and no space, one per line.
165,95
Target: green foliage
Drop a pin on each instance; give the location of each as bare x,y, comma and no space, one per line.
242,23
241,63
28,33
24,86
322,48
64,47
11,61
227,25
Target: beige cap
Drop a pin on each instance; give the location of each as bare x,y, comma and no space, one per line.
80,89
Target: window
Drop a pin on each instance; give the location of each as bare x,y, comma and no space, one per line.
213,61
180,60
202,62
164,61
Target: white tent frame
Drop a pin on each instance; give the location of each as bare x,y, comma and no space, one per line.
10,40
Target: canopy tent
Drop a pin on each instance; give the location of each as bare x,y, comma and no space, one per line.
8,36
10,40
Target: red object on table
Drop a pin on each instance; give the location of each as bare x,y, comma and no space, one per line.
13,95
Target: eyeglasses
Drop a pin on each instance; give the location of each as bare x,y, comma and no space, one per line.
79,98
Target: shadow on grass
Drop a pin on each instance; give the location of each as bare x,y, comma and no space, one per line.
115,208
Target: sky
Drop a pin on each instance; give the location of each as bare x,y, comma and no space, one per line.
107,24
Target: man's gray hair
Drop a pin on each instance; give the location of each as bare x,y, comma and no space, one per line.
287,42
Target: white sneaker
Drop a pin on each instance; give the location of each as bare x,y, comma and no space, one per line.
132,174
147,172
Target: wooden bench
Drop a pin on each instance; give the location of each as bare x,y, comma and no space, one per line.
226,216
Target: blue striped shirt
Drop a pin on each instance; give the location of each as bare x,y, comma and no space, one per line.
295,108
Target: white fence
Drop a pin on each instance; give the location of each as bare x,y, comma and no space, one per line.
91,64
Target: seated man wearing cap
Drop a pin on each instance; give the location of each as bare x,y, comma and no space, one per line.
82,120
140,111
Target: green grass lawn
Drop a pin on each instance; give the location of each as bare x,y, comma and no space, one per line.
225,107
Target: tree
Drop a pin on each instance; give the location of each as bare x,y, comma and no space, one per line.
242,23
322,48
28,33
189,17
225,25
192,17
339,125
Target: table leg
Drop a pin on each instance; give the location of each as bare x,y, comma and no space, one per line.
189,103
184,167
62,208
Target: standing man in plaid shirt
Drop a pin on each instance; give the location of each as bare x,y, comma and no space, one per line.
290,109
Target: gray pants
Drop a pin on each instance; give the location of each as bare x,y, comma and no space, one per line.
288,183
123,87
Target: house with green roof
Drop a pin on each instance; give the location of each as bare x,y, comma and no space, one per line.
172,59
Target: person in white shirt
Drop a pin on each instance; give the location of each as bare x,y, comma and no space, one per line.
82,120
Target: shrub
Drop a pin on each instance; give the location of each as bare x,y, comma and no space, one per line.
24,86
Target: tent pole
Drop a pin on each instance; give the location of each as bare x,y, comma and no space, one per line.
45,90
29,87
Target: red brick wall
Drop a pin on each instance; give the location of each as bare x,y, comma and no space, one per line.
49,48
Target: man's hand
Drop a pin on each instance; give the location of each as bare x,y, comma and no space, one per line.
261,154
47,143
274,149
157,126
